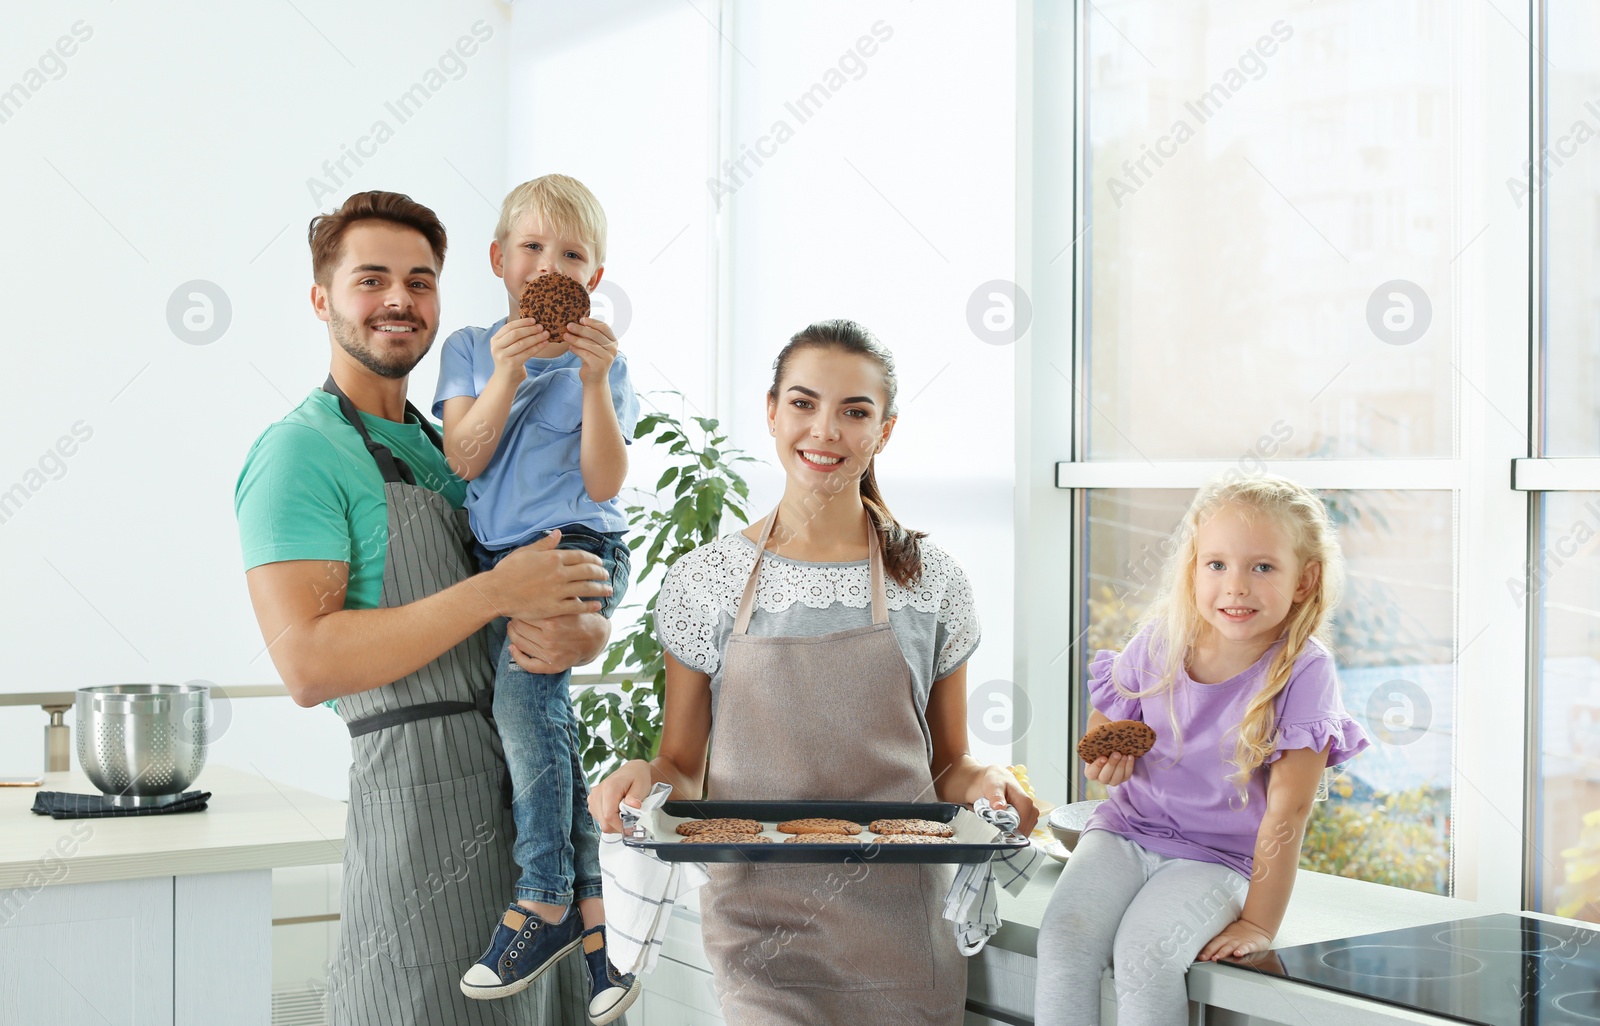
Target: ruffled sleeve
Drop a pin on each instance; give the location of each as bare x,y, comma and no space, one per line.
1345,733
1103,692
687,612
1311,713
957,631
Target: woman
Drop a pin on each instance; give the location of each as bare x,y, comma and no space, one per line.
821,654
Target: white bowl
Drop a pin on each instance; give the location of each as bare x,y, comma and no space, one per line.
1068,821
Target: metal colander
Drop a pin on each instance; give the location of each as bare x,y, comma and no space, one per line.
142,741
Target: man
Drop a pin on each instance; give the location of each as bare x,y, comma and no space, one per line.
357,556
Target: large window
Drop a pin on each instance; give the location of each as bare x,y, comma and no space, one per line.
1274,211
1272,228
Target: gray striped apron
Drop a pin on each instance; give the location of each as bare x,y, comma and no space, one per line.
826,717
427,851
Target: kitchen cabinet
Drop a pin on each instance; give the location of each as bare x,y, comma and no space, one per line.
151,920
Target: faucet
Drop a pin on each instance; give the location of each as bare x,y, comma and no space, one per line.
57,740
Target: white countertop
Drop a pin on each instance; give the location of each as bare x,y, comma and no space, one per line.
250,823
1321,908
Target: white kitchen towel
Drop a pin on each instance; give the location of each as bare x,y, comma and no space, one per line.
972,903
640,891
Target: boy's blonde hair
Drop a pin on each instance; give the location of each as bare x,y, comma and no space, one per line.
1174,620
565,204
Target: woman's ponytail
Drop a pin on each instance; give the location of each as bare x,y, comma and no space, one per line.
902,548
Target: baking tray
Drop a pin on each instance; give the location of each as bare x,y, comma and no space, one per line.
975,840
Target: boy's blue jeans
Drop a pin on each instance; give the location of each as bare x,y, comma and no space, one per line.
558,843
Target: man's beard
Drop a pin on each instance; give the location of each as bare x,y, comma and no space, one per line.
348,335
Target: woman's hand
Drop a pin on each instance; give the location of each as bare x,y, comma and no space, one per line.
630,782
997,784
1112,769
1238,939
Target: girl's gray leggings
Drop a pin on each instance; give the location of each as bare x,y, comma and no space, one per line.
1147,915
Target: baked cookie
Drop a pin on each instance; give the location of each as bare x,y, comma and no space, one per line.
819,826
724,837
925,827
1130,737
822,839
910,839
721,826
554,301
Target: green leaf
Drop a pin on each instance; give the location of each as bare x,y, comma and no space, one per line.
624,722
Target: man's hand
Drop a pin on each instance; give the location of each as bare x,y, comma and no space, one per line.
558,643
539,581
596,346
513,345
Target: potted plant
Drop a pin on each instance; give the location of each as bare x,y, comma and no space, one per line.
619,725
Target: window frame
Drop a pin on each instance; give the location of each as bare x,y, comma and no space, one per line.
1495,281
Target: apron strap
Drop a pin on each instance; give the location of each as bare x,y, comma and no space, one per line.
407,714
482,704
393,469
880,601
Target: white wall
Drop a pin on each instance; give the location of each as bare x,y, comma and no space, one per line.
178,144
890,204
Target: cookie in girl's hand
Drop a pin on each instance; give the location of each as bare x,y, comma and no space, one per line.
1130,737
554,300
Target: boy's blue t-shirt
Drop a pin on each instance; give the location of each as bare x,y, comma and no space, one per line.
534,481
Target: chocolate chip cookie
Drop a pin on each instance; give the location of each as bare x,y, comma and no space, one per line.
819,826
1130,737
925,827
721,826
554,301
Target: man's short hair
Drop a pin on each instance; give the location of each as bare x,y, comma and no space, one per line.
564,203
327,231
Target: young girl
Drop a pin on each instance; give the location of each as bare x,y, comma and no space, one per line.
1194,853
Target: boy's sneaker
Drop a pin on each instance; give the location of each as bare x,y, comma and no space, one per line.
610,991
523,948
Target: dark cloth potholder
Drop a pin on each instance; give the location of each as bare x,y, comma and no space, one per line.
63,805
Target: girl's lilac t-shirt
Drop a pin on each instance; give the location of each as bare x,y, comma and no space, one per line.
1179,801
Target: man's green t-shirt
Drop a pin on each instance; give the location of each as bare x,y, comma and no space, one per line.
310,490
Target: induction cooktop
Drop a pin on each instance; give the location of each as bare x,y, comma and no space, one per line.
1499,970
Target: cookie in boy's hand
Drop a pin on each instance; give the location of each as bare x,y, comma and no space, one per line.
1130,737
554,300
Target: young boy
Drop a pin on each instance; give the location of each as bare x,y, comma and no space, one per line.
537,418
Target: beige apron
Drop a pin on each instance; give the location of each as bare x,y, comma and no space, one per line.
826,717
